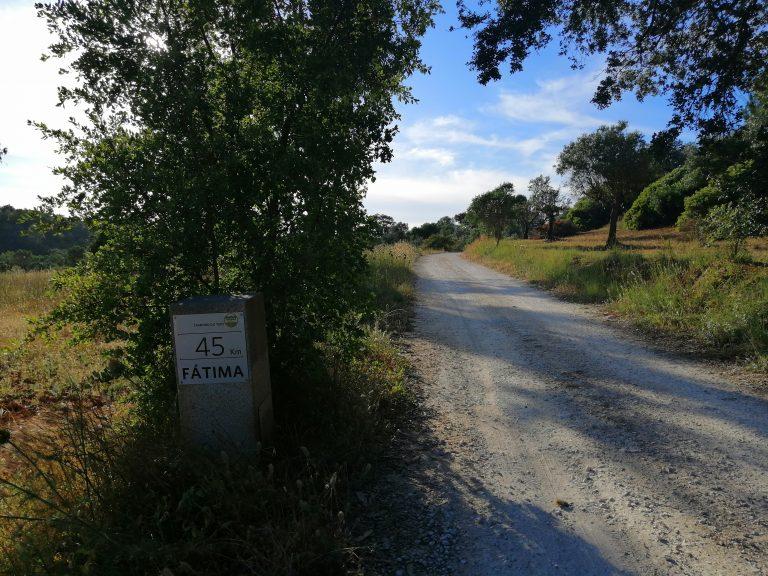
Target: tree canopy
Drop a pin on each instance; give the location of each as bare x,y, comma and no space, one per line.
610,166
703,55
226,149
386,230
495,209
547,200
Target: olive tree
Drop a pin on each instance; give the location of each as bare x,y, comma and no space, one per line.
547,200
610,166
495,209
225,148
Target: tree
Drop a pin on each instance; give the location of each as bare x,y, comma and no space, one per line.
226,150
386,230
735,166
704,55
547,200
587,214
736,221
610,166
495,209
525,216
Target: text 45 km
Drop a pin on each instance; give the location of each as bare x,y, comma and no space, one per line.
210,348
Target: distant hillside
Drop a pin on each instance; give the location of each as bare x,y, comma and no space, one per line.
23,248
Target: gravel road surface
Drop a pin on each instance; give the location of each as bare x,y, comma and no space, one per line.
562,444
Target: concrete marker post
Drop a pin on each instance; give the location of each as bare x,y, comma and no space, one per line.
222,371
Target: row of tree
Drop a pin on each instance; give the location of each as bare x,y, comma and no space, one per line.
716,188
26,244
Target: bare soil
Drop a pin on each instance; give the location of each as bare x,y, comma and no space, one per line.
555,442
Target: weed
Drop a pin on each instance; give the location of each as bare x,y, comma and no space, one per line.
101,491
661,280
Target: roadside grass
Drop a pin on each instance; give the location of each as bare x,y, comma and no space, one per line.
97,492
661,280
32,366
391,282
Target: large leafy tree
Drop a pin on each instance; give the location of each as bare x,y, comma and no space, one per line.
525,216
703,55
609,166
547,200
386,230
225,149
495,209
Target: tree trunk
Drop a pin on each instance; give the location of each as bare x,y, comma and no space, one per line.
611,242
551,229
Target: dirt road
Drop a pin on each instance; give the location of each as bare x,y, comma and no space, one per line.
570,447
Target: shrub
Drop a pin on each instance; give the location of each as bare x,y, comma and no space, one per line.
736,221
661,202
738,181
587,214
562,229
440,242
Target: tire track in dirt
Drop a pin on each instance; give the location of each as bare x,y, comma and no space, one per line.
659,463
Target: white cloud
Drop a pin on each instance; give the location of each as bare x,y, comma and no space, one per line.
28,93
439,155
555,101
416,197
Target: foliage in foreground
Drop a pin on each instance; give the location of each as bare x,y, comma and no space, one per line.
226,149
119,496
689,293
701,55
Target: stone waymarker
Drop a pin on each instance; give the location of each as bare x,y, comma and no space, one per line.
222,370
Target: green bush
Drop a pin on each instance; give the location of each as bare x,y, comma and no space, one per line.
738,181
661,202
587,214
440,242
119,496
562,229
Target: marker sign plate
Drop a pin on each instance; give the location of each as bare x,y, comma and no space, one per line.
210,348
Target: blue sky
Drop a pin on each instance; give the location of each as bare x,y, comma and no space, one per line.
459,140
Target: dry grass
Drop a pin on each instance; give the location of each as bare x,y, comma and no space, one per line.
102,494
37,367
22,295
662,280
391,281
648,242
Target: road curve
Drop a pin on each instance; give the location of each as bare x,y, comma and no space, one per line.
571,447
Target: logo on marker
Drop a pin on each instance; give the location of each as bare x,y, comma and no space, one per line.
230,320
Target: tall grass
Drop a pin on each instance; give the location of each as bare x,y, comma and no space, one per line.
581,275
722,305
391,282
25,291
678,289
104,494
40,366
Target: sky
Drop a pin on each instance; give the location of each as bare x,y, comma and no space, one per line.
459,140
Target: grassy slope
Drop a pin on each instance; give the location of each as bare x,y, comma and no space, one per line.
660,280
126,503
39,368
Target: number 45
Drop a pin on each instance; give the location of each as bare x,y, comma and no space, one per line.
216,349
